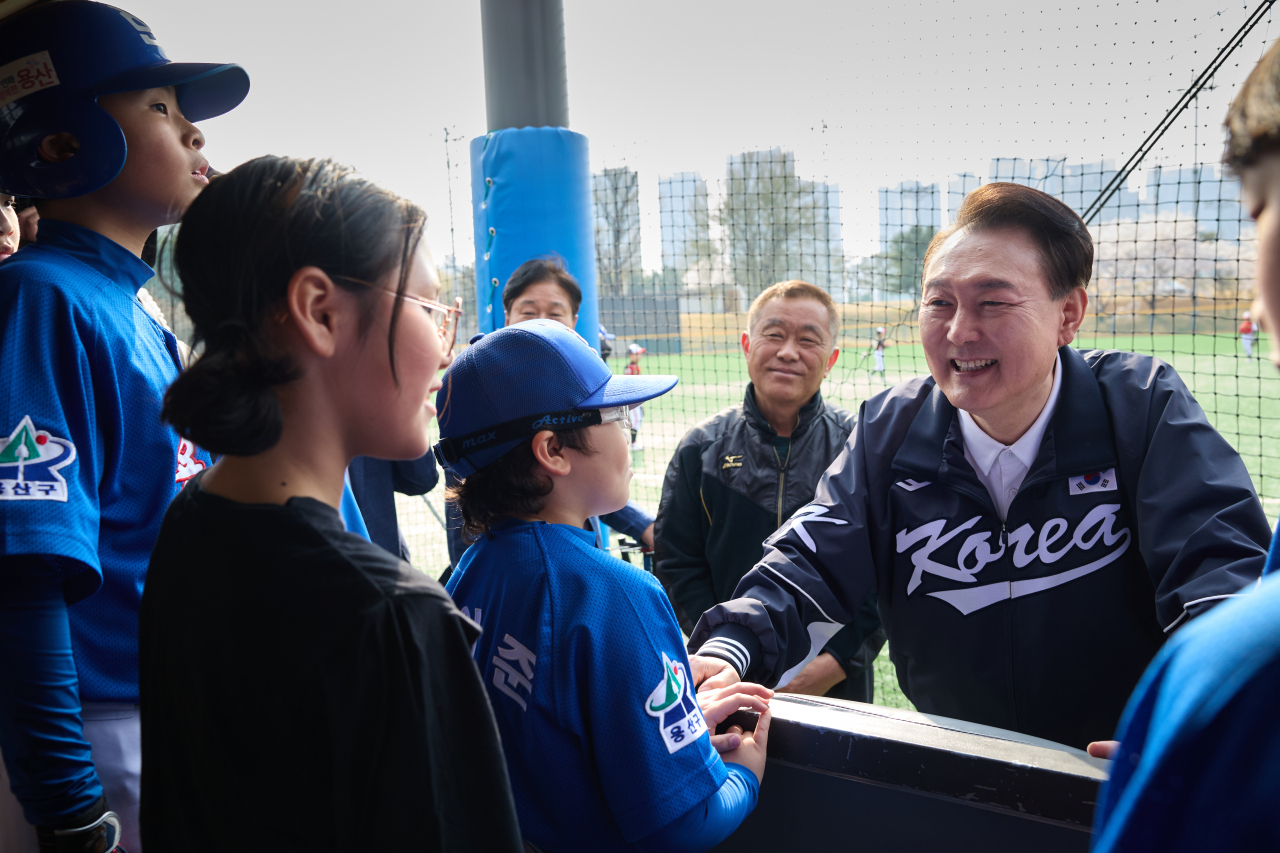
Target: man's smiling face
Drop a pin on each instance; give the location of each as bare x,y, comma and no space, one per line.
990,328
789,350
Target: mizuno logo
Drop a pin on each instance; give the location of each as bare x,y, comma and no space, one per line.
976,553
912,485
480,439
547,420
731,462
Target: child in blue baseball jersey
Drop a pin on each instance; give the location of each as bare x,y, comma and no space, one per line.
606,744
99,129
1197,765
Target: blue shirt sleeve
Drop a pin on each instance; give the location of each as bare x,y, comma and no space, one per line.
41,734
631,520
1212,789
710,821
52,460
1199,758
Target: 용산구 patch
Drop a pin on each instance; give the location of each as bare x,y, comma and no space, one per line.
679,718
30,459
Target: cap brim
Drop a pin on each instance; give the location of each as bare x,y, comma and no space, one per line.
628,390
205,89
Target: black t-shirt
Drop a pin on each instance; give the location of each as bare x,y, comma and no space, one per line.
302,689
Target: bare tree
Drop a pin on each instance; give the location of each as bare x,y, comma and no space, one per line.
616,200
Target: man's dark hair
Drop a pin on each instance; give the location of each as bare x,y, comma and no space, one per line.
1253,119
548,268
1066,248
511,485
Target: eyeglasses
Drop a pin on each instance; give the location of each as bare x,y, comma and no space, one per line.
450,451
622,414
438,311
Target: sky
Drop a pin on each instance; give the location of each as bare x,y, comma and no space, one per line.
866,95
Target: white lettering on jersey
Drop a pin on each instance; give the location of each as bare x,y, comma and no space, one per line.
680,720
1102,481
466,611
912,485
806,515
505,676
30,459
1098,525
188,464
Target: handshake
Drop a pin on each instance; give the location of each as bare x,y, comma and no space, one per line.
721,694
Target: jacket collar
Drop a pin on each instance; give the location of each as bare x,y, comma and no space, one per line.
1078,441
808,413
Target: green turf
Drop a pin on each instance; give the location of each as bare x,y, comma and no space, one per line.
1240,397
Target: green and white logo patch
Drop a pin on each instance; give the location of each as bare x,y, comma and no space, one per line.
679,718
30,459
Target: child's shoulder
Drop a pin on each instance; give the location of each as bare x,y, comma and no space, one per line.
46,277
573,561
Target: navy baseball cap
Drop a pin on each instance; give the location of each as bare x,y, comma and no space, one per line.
56,59
512,383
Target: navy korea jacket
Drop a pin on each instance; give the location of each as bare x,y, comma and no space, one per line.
1136,516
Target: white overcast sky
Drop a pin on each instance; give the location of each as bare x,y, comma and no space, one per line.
865,94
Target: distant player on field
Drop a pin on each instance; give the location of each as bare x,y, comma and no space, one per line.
877,350
634,351
99,128
606,744
1248,333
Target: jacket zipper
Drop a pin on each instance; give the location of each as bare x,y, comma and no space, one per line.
782,480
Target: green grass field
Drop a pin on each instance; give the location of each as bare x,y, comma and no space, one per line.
1241,398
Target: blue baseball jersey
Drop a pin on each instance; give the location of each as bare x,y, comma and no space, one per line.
1199,760
584,663
87,468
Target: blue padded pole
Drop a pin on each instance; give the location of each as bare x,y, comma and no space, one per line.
531,196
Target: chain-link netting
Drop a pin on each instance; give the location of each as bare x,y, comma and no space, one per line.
681,254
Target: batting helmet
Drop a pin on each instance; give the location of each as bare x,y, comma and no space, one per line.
55,60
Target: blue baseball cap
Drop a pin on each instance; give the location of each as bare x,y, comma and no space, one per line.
512,383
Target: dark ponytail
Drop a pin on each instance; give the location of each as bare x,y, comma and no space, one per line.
239,244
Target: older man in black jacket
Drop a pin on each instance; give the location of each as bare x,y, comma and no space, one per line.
738,476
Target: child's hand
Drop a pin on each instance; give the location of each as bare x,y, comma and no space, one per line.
718,704
751,753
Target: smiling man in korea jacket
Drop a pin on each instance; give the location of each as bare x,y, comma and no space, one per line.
1035,520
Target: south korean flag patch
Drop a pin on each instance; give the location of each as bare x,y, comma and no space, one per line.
1101,481
678,716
